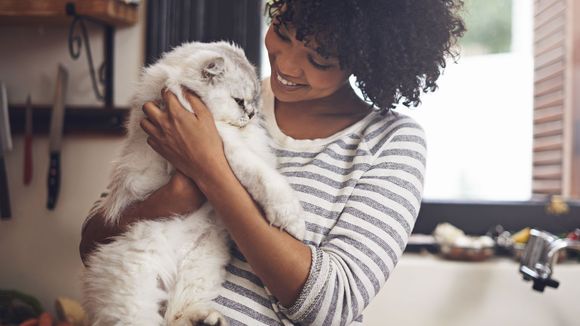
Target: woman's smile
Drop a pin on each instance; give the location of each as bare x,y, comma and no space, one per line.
285,84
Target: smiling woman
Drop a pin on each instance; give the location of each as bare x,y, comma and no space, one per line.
356,166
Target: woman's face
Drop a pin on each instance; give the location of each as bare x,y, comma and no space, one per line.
299,73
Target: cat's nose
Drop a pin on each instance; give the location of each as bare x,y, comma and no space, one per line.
250,111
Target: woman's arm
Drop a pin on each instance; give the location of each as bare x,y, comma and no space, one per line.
360,251
178,196
279,260
333,282
192,144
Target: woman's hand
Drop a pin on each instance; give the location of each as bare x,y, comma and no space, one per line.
183,194
189,141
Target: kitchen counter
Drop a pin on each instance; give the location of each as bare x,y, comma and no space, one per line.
429,291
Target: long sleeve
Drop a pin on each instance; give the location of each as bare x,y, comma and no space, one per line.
353,262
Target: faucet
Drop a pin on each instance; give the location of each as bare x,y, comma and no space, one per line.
539,258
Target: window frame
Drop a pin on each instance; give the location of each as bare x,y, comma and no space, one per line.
478,217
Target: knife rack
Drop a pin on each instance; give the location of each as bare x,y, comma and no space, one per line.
77,120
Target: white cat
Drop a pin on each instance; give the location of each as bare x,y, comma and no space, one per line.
165,272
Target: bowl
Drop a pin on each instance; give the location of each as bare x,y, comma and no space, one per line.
466,253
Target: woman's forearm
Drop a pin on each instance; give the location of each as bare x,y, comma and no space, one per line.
281,261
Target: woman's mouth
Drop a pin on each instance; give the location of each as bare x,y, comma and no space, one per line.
286,84
284,81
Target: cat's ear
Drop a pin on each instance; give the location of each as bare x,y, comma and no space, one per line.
213,69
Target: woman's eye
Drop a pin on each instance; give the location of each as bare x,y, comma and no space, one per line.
240,102
285,38
319,65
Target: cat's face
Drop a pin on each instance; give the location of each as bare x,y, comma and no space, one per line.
226,83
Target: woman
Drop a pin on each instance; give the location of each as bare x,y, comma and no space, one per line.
358,169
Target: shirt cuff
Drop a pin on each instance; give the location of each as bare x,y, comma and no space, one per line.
313,289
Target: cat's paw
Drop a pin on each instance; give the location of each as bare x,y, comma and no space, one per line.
199,316
207,317
287,216
297,229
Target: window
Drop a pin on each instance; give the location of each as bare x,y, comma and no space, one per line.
479,121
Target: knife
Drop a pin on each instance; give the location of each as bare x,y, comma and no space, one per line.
56,124
5,146
28,142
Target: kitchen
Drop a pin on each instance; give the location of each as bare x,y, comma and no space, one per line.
39,246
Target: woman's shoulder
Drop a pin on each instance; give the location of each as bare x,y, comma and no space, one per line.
391,127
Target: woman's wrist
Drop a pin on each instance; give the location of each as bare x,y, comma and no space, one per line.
212,180
179,196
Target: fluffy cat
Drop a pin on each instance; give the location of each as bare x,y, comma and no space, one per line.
165,272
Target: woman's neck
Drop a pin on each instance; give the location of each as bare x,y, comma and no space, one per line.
320,118
342,102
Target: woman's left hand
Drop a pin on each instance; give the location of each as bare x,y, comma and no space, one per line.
189,141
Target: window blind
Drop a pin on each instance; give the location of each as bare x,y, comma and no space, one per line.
172,22
556,124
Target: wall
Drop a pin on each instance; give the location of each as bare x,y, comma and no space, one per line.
38,247
30,54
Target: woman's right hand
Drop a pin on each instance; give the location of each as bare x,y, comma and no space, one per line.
183,195
178,197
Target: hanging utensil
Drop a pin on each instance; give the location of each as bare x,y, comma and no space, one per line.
27,176
5,147
55,140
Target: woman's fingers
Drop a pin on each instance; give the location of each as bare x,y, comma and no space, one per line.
172,104
153,113
195,102
174,107
150,128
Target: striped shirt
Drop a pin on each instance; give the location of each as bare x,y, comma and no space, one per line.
361,192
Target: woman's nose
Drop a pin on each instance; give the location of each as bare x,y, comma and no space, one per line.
289,63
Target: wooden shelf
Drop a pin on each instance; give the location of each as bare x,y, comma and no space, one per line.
112,12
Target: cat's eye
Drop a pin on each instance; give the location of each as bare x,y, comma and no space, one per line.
240,102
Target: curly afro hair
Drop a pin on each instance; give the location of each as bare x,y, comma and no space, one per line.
394,48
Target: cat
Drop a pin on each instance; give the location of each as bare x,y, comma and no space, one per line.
166,272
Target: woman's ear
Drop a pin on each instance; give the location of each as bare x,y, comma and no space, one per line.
213,69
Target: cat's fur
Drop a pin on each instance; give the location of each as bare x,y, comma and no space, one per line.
165,272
